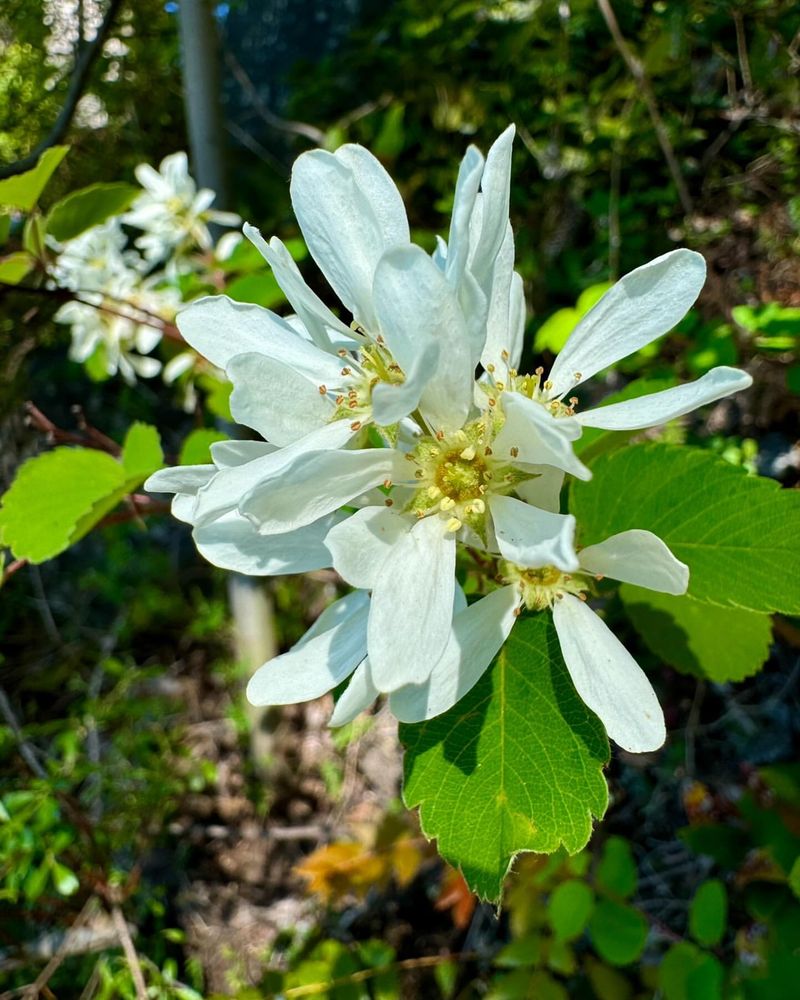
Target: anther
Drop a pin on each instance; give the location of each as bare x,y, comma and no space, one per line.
517,612
468,453
581,597
346,371
490,369
578,376
440,435
342,352
515,452
599,576
419,474
487,450
453,524
573,400
447,503
353,404
548,384
504,355
339,400
434,492
379,339
387,484
499,386
323,390
356,425
539,371
492,401
388,502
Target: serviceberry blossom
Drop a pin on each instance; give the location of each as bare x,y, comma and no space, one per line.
171,211
385,455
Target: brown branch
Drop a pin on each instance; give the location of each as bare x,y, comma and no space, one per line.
25,749
310,132
77,84
11,569
638,73
130,952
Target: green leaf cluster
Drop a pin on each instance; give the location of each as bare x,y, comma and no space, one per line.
57,497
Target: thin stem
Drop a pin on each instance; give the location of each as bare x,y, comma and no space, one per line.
637,72
131,957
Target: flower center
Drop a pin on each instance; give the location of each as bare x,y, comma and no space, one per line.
541,588
371,365
456,472
534,388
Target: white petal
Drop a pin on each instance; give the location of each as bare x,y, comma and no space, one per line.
516,321
498,328
227,454
539,437
607,678
545,490
274,399
312,668
412,606
391,403
416,307
314,484
638,557
335,613
315,316
228,486
180,479
640,307
531,537
495,191
659,407
467,184
234,543
361,544
219,329
350,213
478,633
359,694
182,507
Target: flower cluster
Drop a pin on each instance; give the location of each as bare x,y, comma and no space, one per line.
387,457
123,295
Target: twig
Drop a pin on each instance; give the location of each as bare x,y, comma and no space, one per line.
25,749
77,83
423,962
311,132
255,146
637,72
50,969
744,61
11,569
130,952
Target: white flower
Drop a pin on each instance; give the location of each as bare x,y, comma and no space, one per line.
312,385
96,260
642,306
171,211
605,675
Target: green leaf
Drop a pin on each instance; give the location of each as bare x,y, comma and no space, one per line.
261,288
141,453
45,509
708,913
616,871
15,267
687,973
515,766
5,226
196,448
569,909
794,877
64,879
739,534
88,207
23,190
618,932
686,634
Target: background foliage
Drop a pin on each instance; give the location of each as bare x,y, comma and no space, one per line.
133,788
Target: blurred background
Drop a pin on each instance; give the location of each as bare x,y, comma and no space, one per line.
157,838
